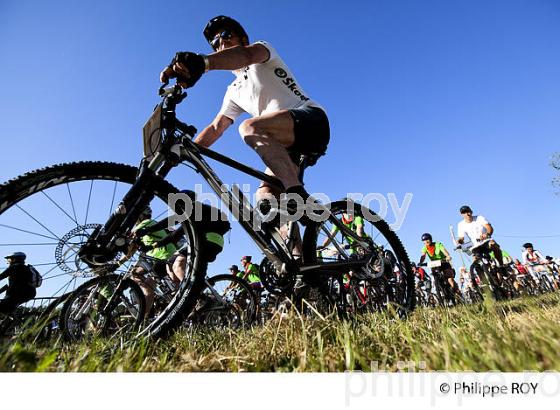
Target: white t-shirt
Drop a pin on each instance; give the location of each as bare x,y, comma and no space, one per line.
535,257
263,88
473,230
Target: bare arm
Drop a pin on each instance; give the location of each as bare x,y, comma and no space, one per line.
489,230
231,59
212,132
447,255
238,57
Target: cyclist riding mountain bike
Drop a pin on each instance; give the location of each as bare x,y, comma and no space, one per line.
437,252
156,255
211,221
464,279
250,273
520,267
534,260
422,276
506,257
479,231
21,287
355,224
531,256
286,123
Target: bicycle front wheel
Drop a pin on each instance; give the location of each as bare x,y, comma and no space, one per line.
50,213
103,306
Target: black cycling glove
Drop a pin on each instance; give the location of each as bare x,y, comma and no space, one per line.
194,63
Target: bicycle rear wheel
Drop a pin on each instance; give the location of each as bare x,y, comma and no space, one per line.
387,267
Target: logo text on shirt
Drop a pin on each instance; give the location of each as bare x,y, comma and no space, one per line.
289,82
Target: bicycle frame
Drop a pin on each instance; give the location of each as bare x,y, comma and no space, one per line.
175,149
269,241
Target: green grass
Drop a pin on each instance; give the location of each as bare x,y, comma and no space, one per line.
512,336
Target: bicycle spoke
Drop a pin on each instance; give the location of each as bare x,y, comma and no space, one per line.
59,207
25,231
113,198
36,220
72,202
88,202
29,244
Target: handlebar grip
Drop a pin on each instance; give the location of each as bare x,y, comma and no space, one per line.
187,129
161,90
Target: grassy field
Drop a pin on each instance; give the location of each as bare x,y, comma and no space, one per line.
512,336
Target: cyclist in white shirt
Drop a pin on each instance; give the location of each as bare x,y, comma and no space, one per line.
534,260
286,123
479,231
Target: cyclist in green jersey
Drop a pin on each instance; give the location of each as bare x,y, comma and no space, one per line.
155,256
355,224
250,273
437,252
506,258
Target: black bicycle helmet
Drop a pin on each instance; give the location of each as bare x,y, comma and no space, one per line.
246,258
234,267
427,237
464,209
527,245
17,256
223,22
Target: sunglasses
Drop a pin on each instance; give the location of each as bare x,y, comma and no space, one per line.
225,34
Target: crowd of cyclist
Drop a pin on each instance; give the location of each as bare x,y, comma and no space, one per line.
533,272
163,251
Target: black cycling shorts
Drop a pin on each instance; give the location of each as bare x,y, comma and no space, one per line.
311,131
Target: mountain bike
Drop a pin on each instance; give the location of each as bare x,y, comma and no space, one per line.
86,245
425,296
541,272
109,305
445,294
225,301
484,267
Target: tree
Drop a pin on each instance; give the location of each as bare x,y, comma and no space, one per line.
555,163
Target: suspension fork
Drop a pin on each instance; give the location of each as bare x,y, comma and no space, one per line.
106,241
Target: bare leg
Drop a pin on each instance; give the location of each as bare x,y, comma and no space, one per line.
269,135
139,278
179,266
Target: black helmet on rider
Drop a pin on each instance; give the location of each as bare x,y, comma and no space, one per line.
234,268
17,257
246,259
528,245
427,237
224,26
465,209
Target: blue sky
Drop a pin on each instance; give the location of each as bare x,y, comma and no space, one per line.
454,102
